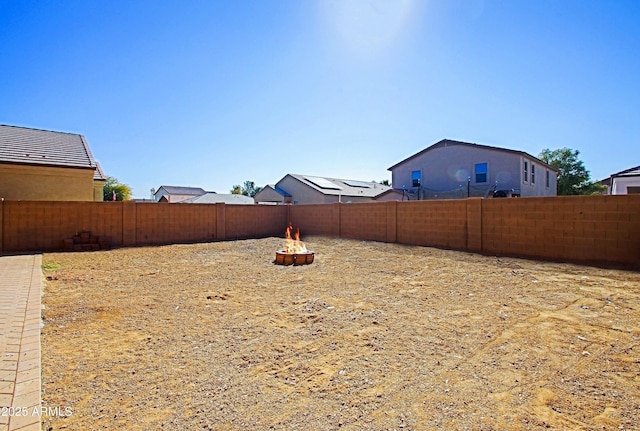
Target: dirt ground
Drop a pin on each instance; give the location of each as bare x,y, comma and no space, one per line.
371,336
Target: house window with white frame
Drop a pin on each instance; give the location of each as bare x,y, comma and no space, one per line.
547,181
526,172
481,172
533,173
416,178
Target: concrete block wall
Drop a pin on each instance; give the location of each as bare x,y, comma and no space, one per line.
321,219
474,219
254,221
42,225
366,221
589,229
576,228
433,223
181,223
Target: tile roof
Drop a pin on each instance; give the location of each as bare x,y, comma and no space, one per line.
23,145
449,142
99,174
337,186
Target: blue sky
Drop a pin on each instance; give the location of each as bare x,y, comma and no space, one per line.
212,93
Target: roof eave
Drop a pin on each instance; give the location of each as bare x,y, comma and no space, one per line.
47,165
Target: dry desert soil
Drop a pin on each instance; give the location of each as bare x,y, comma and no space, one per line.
370,336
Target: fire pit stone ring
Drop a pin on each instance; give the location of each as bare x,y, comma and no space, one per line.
297,258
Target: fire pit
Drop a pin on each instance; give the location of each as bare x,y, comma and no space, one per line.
284,258
293,252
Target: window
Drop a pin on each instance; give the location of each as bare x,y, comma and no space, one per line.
533,173
416,178
482,172
547,179
526,171
633,190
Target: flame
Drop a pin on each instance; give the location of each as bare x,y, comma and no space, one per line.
293,245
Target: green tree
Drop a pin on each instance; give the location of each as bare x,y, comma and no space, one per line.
573,177
122,191
248,189
385,182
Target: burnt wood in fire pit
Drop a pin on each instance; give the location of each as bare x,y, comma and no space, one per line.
300,258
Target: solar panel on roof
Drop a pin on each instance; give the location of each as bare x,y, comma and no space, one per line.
323,183
357,184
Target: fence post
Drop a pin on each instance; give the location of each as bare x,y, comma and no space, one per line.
221,231
474,224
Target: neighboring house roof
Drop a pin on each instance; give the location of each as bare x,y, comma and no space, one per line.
214,198
631,172
22,145
449,142
178,190
337,186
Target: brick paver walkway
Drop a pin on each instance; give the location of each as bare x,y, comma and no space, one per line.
20,382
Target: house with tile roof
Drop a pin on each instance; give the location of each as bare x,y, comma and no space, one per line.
309,189
452,169
217,198
173,194
625,182
45,165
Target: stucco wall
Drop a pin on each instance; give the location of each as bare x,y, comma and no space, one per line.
35,183
300,192
268,194
98,190
538,187
448,168
621,184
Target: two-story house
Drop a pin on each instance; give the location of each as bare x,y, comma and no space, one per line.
453,169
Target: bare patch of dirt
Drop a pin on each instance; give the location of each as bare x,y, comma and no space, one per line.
371,336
